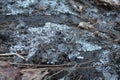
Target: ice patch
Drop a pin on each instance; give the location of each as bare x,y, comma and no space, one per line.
109,76
103,67
56,6
29,6
104,57
80,57
54,39
93,13
89,47
26,3
20,7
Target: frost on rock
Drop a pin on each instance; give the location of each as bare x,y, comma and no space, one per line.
52,40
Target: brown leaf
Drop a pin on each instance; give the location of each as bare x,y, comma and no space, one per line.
85,25
113,4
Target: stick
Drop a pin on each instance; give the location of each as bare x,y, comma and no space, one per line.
55,74
52,66
43,66
10,54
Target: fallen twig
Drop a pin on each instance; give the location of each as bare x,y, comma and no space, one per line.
86,62
55,74
71,64
9,54
80,78
5,58
42,66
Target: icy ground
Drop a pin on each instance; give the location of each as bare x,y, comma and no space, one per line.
55,43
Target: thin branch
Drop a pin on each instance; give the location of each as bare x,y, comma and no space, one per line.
42,66
11,54
55,74
80,78
22,65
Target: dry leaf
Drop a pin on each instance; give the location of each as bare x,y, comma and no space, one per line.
34,74
85,25
114,4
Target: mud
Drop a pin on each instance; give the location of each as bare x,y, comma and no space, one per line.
48,32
